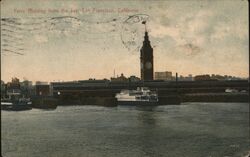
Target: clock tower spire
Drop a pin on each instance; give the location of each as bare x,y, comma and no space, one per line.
147,68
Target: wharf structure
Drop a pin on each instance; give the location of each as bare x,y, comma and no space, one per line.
170,92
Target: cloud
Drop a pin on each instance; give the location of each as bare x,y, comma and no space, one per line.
191,27
189,49
236,30
161,31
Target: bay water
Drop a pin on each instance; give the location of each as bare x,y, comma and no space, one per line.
187,130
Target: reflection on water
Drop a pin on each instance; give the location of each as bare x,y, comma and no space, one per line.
192,130
148,119
146,116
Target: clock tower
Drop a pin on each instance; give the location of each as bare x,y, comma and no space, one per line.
147,64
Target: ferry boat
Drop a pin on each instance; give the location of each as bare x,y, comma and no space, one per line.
141,96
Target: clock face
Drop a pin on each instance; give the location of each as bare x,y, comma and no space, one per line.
148,65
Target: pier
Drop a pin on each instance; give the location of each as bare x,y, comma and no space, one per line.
103,92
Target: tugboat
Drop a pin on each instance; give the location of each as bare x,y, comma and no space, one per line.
17,105
141,96
15,102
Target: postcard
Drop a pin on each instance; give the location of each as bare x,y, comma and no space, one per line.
124,78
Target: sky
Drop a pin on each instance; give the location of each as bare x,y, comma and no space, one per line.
76,40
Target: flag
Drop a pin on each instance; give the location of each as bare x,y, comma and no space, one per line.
144,22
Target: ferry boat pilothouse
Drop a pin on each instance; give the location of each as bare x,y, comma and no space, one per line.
140,96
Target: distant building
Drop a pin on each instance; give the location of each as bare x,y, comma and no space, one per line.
93,80
166,76
181,78
121,78
14,84
13,88
27,88
3,89
41,83
42,89
189,77
134,78
186,78
202,77
26,83
218,77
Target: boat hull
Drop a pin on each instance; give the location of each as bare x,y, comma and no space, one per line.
138,103
16,106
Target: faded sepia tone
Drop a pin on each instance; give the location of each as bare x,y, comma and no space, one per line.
107,78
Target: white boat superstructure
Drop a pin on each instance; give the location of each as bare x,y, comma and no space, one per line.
142,95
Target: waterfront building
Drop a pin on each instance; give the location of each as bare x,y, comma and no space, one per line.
42,89
134,78
13,88
202,77
166,75
41,83
188,78
27,88
3,89
121,78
